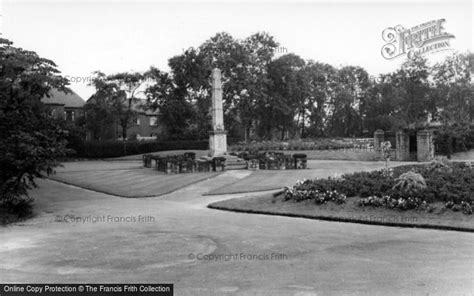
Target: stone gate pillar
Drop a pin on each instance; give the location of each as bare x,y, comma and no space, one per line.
402,146
425,146
379,137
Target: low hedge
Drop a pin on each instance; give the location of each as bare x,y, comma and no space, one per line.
316,144
105,149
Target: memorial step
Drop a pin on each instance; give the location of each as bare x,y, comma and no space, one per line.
234,163
236,166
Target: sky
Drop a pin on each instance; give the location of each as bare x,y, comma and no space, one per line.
116,36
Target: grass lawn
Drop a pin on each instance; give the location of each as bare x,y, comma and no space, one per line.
130,182
349,212
263,180
337,154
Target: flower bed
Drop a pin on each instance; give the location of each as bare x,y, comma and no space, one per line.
402,188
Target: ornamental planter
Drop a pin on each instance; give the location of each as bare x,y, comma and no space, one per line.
218,164
147,160
252,162
288,162
300,160
203,165
190,155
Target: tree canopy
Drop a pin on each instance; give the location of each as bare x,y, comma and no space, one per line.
31,139
267,96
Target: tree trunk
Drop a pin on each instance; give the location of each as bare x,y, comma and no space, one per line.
124,131
302,126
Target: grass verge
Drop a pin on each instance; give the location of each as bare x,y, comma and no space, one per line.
272,204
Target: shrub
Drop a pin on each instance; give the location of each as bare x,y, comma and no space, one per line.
386,148
464,207
454,138
410,183
365,184
403,187
453,184
317,144
320,196
394,203
20,206
441,163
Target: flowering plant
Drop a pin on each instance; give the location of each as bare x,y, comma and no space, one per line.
393,203
386,146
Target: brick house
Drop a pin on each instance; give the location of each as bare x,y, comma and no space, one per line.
143,125
68,106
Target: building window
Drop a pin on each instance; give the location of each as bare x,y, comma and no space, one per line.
136,121
69,115
153,120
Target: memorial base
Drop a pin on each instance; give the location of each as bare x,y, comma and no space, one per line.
217,143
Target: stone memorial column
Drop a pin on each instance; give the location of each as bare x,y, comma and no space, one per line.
424,145
217,136
403,146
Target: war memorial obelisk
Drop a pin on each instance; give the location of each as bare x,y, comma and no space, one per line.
217,136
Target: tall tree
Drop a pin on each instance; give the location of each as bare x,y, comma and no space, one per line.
380,104
285,100
453,90
255,81
190,73
350,90
119,92
412,88
30,138
164,95
320,82
244,69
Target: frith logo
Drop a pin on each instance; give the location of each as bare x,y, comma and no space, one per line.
425,38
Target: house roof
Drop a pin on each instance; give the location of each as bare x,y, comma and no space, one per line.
138,106
151,113
57,97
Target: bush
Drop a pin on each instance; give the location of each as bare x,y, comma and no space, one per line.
410,183
316,144
365,184
104,149
464,207
319,195
441,163
20,206
404,187
393,203
454,138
